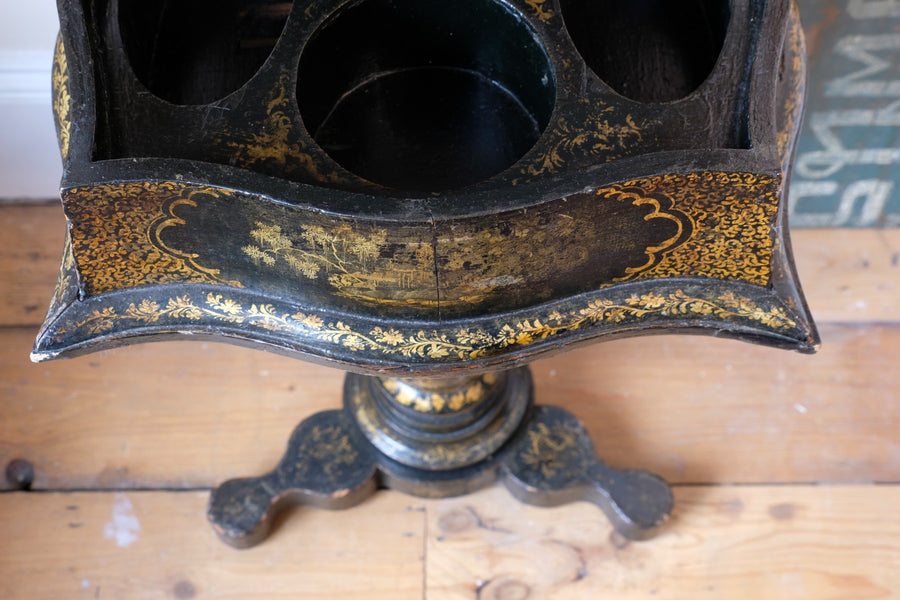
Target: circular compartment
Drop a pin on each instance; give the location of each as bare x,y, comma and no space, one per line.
425,95
649,50
200,51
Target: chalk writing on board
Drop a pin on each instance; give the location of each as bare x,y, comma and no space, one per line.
848,158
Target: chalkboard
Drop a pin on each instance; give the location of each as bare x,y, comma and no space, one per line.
847,164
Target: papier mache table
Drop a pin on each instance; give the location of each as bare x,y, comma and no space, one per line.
429,195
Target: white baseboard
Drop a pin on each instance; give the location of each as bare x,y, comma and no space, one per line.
25,75
30,166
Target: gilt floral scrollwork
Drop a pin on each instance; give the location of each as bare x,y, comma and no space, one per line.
462,344
541,8
62,100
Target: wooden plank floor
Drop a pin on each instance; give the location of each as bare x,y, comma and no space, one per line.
786,467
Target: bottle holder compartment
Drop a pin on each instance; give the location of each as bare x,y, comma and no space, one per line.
425,96
404,97
649,50
198,52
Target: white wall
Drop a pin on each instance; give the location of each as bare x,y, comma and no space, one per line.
30,166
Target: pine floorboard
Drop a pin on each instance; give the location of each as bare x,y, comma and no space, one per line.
732,542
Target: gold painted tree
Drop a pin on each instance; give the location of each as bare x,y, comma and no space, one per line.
339,251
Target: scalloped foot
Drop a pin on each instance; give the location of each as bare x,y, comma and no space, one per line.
552,462
548,461
326,466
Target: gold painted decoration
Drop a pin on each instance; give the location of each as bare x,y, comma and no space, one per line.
276,142
326,449
421,398
62,100
65,283
792,83
602,132
350,260
365,263
462,344
733,220
587,241
542,9
653,252
115,232
478,260
713,225
552,449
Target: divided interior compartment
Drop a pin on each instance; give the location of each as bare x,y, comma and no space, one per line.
200,51
425,95
418,96
649,50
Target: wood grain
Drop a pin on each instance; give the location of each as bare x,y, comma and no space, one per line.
850,275
158,545
31,246
723,542
738,543
170,415
693,409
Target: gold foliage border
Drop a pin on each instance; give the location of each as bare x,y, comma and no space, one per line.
462,344
274,143
65,280
793,68
62,100
600,131
473,392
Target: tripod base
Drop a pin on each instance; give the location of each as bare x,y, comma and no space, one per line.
439,439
